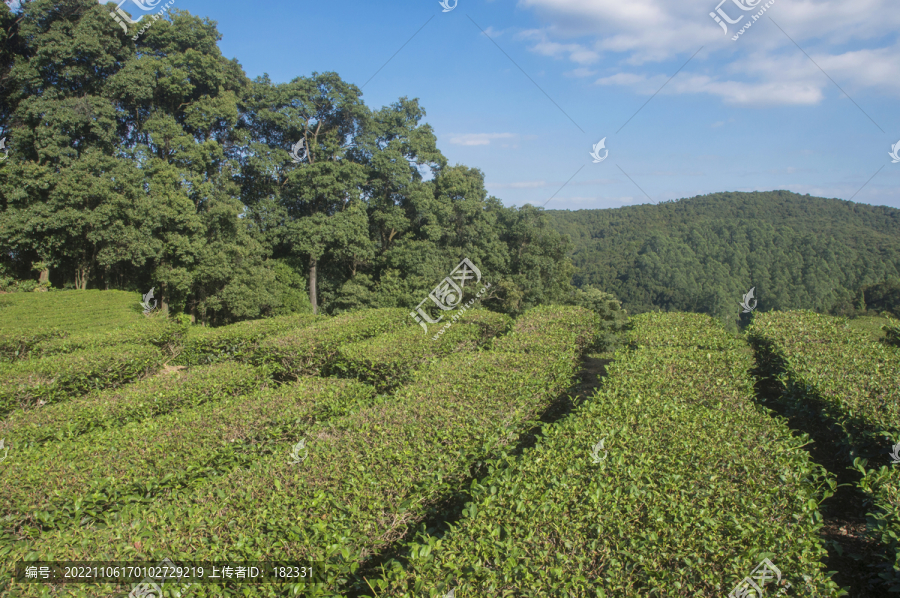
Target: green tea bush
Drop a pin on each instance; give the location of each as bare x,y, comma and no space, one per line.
613,319
237,341
61,377
676,329
551,330
61,484
309,351
146,398
693,486
72,311
389,360
845,379
168,335
365,479
892,334
18,345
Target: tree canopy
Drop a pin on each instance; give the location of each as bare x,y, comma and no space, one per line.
703,254
159,163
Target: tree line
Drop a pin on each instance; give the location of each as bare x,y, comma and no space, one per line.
705,253
159,163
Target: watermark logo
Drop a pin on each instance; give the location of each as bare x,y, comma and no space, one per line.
296,158
746,302
146,302
446,5
451,593
895,150
759,577
595,452
148,588
447,295
122,18
894,455
745,5
295,452
1,448
6,150
146,5
596,153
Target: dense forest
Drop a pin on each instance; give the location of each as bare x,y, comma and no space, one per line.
704,253
160,164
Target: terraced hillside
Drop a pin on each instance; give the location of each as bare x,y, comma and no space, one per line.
405,466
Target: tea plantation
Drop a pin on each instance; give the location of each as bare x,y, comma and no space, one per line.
438,467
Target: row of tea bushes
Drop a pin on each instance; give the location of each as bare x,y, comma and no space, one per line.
59,378
167,335
63,377
365,480
65,483
150,397
389,360
693,486
845,379
552,330
205,346
310,350
71,311
19,344
677,329
892,334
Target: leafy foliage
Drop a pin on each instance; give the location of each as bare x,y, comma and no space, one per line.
389,360
676,503
704,253
88,312
55,483
369,476
117,408
159,163
58,378
829,371
237,341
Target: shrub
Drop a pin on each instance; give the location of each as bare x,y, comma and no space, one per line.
72,311
676,502
390,359
367,479
18,345
167,335
148,398
237,341
65,482
310,350
841,377
551,330
58,378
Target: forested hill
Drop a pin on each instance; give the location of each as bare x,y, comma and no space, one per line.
702,254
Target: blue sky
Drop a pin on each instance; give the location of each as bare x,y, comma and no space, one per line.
765,111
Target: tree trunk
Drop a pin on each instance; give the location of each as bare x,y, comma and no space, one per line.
312,285
45,276
163,303
81,277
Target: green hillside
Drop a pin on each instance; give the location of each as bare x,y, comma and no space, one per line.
702,254
71,311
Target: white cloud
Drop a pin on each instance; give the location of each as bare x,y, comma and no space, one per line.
762,68
478,138
580,72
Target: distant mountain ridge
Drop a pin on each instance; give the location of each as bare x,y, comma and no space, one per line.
704,253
